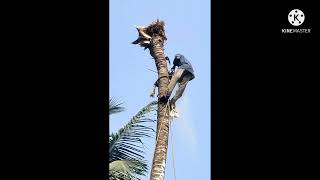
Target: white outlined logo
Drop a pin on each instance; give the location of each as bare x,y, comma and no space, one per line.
296,17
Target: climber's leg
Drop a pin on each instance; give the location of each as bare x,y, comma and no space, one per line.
182,86
175,78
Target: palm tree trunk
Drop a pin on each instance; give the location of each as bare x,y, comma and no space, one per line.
160,153
156,32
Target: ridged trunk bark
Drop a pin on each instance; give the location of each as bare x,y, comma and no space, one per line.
153,37
160,153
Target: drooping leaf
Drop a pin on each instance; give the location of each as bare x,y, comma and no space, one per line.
128,168
114,106
126,150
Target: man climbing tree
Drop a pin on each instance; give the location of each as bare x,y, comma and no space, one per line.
182,75
152,37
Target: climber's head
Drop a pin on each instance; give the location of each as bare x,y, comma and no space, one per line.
178,56
177,59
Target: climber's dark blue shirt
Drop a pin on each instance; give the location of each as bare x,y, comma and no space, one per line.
183,63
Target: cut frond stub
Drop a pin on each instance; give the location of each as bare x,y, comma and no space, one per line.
146,33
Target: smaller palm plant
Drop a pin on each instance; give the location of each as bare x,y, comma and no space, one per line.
126,149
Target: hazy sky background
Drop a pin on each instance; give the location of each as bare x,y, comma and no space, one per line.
188,32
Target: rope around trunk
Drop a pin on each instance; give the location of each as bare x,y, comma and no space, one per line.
174,169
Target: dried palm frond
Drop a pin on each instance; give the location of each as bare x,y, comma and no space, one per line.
146,33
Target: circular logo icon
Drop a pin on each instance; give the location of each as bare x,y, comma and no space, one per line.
296,17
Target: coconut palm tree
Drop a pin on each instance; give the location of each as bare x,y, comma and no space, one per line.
126,150
152,37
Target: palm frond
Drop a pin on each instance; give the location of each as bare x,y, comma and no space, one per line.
127,169
114,106
126,144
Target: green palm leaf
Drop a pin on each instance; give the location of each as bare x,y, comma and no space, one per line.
114,106
126,150
127,169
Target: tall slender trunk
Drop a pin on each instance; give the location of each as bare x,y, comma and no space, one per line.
160,153
154,41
